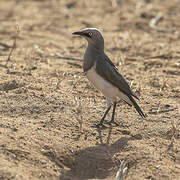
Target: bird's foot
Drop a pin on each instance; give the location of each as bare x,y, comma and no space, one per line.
112,122
99,125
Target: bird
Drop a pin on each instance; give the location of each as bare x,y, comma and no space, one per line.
104,75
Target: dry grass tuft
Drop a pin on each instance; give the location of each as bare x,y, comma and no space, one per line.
13,47
79,112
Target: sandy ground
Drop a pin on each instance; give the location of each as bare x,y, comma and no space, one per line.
47,106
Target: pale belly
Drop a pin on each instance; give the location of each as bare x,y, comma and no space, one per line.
105,87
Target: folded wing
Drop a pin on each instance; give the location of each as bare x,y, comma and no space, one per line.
111,74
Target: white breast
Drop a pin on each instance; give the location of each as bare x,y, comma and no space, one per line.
109,90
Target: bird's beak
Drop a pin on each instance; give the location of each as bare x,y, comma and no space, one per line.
80,33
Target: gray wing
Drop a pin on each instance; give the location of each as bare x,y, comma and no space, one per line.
111,74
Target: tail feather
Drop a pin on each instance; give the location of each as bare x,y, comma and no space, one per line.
138,109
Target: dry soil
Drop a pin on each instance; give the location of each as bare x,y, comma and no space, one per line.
47,105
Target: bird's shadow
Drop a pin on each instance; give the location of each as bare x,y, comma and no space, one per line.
96,161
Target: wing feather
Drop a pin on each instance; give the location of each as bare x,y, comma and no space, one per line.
111,74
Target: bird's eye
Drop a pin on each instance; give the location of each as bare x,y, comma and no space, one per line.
90,34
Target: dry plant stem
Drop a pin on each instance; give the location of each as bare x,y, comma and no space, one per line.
80,123
154,21
74,85
131,84
13,47
6,46
122,58
58,80
173,132
164,85
162,111
67,58
120,173
173,138
114,3
7,99
133,41
79,112
158,110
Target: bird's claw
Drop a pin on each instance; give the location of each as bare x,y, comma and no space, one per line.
112,122
99,125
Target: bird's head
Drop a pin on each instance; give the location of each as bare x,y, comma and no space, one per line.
93,36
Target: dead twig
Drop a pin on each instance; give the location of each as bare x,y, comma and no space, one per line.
154,21
79,110
174,129
162,111
6,46
114,3
164,85
13,47
58,79
122,170
74,64
173,132
131,84
162,56
159,107
57,55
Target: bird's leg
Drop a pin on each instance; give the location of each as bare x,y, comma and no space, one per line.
102,119
113,113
